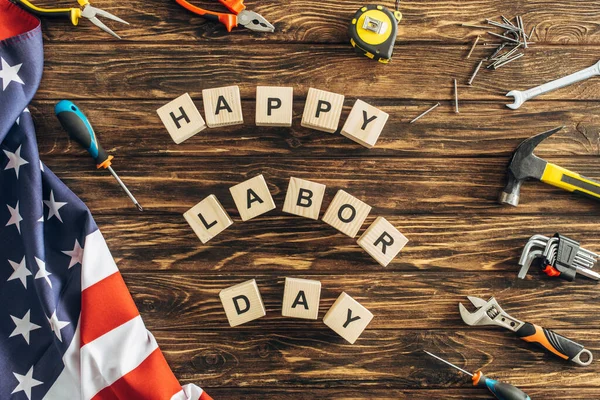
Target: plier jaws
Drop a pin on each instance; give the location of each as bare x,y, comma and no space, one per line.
239,17
73,14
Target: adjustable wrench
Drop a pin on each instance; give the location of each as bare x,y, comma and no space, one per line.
522,97
490,313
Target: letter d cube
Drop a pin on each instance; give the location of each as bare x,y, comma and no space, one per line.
242,303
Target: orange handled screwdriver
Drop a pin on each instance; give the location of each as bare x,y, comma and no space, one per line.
501,390
79,129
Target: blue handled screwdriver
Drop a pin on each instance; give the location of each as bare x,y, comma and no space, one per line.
500,390
79,129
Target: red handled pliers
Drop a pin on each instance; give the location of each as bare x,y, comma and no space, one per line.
249,19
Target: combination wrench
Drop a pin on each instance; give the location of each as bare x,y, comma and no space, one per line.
522,97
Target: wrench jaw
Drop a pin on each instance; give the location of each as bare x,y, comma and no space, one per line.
488,313
519,99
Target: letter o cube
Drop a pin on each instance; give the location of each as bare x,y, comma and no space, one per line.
242,303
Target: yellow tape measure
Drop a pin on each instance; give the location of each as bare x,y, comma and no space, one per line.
373,32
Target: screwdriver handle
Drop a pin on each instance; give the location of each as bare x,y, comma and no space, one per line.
501,390
79,129
557,344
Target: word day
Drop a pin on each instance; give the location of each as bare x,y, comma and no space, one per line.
346,317
381,240
274,107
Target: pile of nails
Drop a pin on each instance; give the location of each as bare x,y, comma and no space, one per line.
514,38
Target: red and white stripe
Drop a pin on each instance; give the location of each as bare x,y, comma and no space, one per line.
113,355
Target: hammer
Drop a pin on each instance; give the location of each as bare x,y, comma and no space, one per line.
524,164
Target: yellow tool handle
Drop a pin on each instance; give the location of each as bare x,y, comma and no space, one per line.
72,13
570,181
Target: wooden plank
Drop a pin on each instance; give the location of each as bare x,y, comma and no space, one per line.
444,244
484,128
368,392
390,359
432,185
423,300
150,71
326,22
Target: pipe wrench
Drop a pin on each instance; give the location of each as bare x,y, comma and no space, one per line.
490,313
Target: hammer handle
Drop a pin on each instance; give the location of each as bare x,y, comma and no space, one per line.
570,181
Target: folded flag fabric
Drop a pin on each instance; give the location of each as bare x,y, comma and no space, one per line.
69,328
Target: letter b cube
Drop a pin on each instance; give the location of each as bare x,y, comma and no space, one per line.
304,198
242,303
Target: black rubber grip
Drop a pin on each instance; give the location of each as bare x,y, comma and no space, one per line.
549,340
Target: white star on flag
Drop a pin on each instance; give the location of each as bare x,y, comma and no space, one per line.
57,325
23,326
26,382
9,74
15,161
53,207
76,254
21,271
42,273
41,166
15,217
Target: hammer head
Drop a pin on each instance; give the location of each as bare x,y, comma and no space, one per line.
523,165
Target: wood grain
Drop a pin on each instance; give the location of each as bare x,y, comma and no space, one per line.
386,359
436,180
159,72
572,23
417,300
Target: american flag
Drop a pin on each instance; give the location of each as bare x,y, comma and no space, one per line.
69,328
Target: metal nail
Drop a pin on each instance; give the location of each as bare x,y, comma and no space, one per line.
505,56
503,26
498,50
532,31
476,71
507,21
509,60
455,97
504,37
473,47
425,113
523,32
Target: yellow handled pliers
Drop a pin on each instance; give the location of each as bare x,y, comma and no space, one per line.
74,14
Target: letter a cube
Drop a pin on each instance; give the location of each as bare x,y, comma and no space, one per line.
181,118
222,106
252,197
301,298
348,318
208,218
382,241
322,110
304,198
242,303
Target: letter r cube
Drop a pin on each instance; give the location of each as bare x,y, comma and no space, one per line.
382,241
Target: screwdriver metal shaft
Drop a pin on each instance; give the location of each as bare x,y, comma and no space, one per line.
138,205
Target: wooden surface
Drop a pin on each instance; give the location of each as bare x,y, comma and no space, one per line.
437,180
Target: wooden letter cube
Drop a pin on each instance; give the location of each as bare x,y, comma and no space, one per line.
346,213
208,218
322,110
242,303
304,198
382,241
252,197
274,105
301,298
181,118
348,318
223,106
364,124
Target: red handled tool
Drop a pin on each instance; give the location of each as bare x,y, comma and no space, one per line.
248,19
490,313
